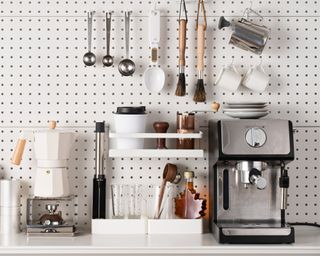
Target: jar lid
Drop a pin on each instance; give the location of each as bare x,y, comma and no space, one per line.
131,110
188,174
185,113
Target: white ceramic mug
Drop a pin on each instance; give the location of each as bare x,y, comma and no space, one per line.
256,79
229,78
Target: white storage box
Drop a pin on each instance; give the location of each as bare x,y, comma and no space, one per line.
119,226
175,226
151,226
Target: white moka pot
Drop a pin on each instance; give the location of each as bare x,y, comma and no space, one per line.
52,150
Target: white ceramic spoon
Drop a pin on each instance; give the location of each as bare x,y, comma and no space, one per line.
154,77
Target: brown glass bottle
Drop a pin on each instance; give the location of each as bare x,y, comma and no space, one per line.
185,124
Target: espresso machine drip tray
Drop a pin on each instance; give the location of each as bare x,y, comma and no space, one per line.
254,234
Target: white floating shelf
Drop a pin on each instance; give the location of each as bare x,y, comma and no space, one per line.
159,153
157,135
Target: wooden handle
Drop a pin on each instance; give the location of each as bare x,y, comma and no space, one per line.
18,152
200,47
162,189
182,41
215,106
52,124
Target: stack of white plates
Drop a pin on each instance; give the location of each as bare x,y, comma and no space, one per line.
246,110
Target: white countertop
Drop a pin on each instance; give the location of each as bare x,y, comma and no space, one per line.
307,242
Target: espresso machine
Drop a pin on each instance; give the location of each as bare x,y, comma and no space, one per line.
249,181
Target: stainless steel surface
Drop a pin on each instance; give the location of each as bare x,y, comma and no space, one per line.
246,166
284,198
100,151
51,208
244,176
259,231
108,59
89,58
233,137
249,36
249,204
127,66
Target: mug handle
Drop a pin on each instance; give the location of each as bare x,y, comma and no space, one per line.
233,67
247,75
260,68
220,75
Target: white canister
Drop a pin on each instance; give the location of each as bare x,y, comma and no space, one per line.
9,193
9,220
130,120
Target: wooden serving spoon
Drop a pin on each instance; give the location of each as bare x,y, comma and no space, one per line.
169,175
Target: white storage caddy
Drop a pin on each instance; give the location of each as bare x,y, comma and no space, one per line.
147,226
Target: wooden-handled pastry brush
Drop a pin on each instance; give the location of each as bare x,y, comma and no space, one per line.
200,93
181,86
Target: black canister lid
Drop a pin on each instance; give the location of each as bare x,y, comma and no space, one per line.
100,127
131,110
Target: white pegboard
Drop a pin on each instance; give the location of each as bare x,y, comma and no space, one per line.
42,77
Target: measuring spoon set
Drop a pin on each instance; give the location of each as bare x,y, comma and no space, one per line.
126,66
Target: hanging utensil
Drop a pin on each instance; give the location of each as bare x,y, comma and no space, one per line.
89,58
154,76
181,86
107,60
200,93
170,174
247,35
127,66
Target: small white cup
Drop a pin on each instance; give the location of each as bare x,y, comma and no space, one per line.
256,79
229,78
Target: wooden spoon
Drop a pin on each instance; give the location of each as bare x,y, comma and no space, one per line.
169,175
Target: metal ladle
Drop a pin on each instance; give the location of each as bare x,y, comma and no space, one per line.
127,66
107,60
89,58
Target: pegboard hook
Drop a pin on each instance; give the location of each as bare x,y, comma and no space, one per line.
183,5
154,5
201,8
249,10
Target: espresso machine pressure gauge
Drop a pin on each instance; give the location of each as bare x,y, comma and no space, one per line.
256,137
